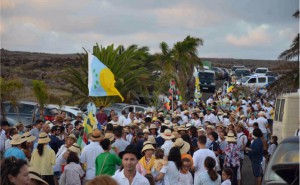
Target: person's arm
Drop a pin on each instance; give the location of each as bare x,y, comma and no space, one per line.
162,172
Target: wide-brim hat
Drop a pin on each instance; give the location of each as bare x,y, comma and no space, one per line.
188,125
148,147
211,127
129,149
176,134
152,140
201,130
43,138
185,112
182,145
29,138
182,128
220,125
75,148
136,122
109,136
153,126
230,137
201,115
242,116
241,125
72,136
167,122
33,174
17,139
96,135
160,114
146,131
197,110
167,134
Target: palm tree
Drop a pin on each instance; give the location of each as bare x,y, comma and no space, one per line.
131,66
9,92
293,51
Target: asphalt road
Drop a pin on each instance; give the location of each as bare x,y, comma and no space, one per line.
247,175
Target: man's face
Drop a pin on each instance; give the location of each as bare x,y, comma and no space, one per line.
116,118
57,132
39,125
63,114
46,128
129,162
131,115
70,142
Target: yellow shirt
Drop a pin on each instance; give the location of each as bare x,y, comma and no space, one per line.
43,163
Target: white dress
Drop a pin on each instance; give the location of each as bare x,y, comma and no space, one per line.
171,174
185,179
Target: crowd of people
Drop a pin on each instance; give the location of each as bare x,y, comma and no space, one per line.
197,143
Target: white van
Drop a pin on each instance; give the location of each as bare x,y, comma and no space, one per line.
286,119
261,71
256,81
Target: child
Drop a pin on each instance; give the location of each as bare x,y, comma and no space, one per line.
273,145
226,176
185,177
158,164
73,172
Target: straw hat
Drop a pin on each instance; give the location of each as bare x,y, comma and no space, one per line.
167,122
175,134
43,138
220,125
152,140
109,136
185,112
262,113
152,126
33,174
126,130
136,122
242,116
29,138
154,119
148,147
230,137
160,114
75,148
142,126
182,145
188,125
167,135
146,131
197,109
201,130
16,139
220,112
96,135
72,136
211,127
201,115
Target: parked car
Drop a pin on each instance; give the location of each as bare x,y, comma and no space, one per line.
241,72
261,71
219,73
10,121
283,167
22,112
271,73
256,81
234,68
49,112
71,111
226,72
125,106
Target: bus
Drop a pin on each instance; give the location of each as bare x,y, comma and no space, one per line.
207,80
286,118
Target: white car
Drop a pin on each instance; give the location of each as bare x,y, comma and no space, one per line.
71,111
261,71
256,81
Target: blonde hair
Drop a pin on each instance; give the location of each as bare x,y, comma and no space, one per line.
102,180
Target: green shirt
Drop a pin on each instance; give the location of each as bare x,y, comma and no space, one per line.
109,164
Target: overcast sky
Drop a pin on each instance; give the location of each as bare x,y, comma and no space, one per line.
248,29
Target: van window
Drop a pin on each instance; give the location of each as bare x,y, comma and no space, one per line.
252,80
271,79
277,109
262,80
281,109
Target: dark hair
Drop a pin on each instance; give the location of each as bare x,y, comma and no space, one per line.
228,172
38,121
257,132
161,119
105,143
77,123
40,148
187,138
210,163
147,120
159,153
123,112
73,157
214,135
109,127
150,178
255,124
163,128
193,131
101,107
130,109
118,131
175,156
195,114
275,138
55,127
202,139
12,131
10,166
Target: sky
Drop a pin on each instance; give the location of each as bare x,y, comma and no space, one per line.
245,29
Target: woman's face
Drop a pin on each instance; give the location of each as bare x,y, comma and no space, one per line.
22,178
149,153
225,176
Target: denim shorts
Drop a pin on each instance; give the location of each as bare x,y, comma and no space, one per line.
256,169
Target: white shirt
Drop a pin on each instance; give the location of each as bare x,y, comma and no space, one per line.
127,121
271,149
137,180
250,122
171,173
199,157
262,123
268,111
184,118
59,158
226,182
2,140
88,156
7,144
185,179
226,122
166,147
121,120
211,118
240,137
204,179
197,123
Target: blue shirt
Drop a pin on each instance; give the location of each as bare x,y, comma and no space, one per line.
16,152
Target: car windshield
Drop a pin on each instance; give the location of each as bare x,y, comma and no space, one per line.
261,70
240,73
206,77
236,67
285,153
244,79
